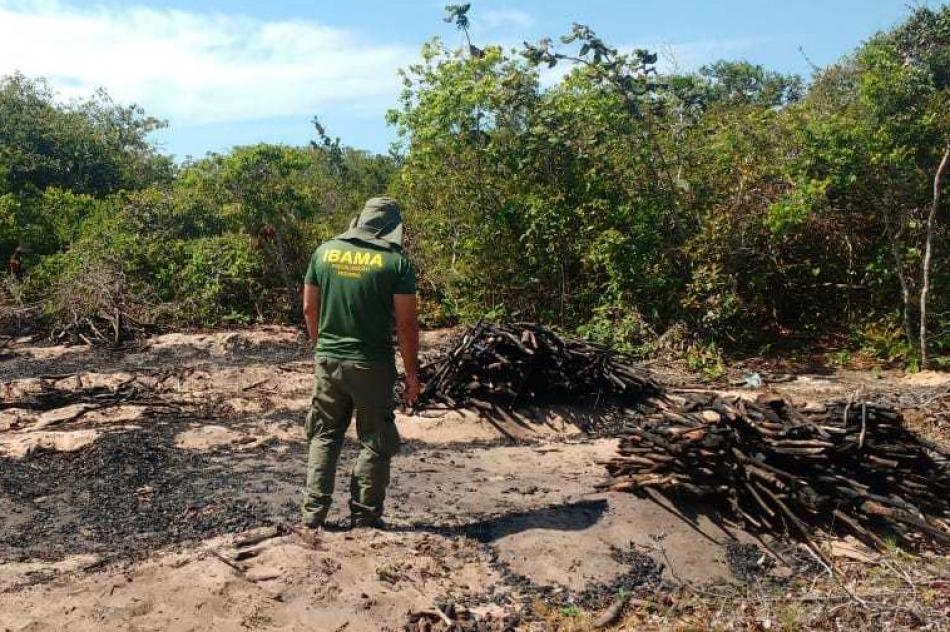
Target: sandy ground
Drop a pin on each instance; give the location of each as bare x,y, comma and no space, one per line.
482,511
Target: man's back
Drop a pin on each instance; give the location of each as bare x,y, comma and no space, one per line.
358,286
357,281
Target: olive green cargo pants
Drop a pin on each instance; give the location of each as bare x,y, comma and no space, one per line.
341,387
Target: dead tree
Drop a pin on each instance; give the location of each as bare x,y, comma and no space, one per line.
928,253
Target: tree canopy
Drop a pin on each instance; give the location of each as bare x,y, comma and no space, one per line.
728,208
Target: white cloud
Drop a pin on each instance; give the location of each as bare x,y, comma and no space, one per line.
499,18
197,68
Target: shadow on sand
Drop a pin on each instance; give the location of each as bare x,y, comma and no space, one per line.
575,516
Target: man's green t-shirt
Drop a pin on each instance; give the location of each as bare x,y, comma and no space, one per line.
357,282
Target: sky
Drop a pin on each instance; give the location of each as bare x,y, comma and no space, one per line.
235,72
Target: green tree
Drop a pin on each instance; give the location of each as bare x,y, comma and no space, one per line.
54,158
93,146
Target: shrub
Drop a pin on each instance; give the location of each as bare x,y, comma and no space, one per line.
220,281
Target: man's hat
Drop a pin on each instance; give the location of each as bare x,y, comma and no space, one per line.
379,223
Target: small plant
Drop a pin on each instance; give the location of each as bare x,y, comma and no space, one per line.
890,541
706,359
941,362
840,358
788,619
886,341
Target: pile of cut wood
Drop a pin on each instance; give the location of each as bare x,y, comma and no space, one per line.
524,363
97,330
843,466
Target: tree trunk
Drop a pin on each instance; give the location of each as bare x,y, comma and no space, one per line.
928,253
905,288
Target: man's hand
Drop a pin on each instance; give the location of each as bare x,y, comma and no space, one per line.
407,331
411,394
311,311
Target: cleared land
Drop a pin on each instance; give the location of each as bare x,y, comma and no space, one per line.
126,487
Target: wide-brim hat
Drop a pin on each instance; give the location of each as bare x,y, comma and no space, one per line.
380,223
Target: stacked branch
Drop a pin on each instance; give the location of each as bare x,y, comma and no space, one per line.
842,466
524,363
101,329
94,305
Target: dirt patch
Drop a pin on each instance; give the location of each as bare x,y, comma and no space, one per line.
927,378
273,345
115,530
513,510
17,446
363,581
250,345
247,435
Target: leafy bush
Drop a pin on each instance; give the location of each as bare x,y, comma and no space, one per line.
706,359
219,282
885,340
85,286
732,200
622,329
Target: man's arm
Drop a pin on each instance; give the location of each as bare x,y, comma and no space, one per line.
407,332
311,308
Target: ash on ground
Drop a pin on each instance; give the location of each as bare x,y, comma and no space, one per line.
748,562
126,495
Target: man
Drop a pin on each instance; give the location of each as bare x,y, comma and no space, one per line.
358,285
15,264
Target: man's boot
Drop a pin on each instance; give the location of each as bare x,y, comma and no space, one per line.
364,517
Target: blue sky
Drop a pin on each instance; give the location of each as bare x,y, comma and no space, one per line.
231,72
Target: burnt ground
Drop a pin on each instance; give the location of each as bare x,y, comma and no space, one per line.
117,518
128,494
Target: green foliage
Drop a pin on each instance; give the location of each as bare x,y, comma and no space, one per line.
714,297
885,341
841,358
734,206
458,14
618,201
223,239
619,329
705,359
57,160
92,146
8,219
742,82
219,282
793,210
